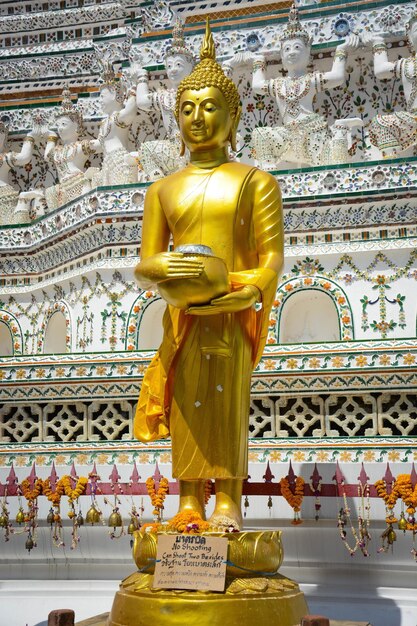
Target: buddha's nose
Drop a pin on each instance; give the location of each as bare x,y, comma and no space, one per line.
197,118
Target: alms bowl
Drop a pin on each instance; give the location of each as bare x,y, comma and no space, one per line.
212,283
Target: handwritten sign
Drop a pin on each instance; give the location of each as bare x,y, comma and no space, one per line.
190,562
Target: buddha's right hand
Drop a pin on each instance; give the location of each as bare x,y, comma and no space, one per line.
165,266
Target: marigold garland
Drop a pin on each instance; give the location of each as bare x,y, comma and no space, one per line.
403,489
408,494
79,489
31,494
389,498
53,496
153,527
188,522
157,496
294,499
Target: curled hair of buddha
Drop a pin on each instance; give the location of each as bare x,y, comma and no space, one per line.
208,73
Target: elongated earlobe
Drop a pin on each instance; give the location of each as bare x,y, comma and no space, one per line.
182,151
232,139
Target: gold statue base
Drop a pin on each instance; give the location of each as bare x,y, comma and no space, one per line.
254,593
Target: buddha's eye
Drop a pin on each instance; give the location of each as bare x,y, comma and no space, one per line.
187,110
210,107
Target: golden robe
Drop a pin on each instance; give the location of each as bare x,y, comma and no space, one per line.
197,387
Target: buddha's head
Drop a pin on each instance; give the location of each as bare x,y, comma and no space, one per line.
295,44
179,60
208,104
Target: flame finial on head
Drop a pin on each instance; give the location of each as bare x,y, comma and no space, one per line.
178,45
293,29
208,50
110,79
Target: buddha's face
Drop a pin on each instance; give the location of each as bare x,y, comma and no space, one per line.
295,54
412,35
178,67
204,119
67,128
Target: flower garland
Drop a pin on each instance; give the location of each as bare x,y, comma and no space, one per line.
53,496
408,494
157,496
73,495
31,516
362,537
294,499
31,494
188,522
79,489
390,499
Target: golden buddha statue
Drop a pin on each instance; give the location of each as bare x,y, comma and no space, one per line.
225,221
197,387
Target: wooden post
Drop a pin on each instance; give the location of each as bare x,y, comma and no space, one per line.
61,617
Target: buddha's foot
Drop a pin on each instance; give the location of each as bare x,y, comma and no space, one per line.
192,497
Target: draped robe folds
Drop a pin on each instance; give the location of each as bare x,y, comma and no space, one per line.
197,387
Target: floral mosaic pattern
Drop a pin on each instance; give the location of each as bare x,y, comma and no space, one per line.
392,450
335,360
14,328
37,312
105,311
135,316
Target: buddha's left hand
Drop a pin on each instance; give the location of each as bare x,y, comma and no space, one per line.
230,303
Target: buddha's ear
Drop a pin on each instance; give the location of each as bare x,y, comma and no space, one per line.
233,132
182,151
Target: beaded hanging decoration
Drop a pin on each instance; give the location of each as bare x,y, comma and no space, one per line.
362,535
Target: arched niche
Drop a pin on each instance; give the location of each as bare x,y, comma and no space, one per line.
55,339
309,316
309,285
6,340
150,331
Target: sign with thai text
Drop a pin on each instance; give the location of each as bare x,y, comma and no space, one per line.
191,562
